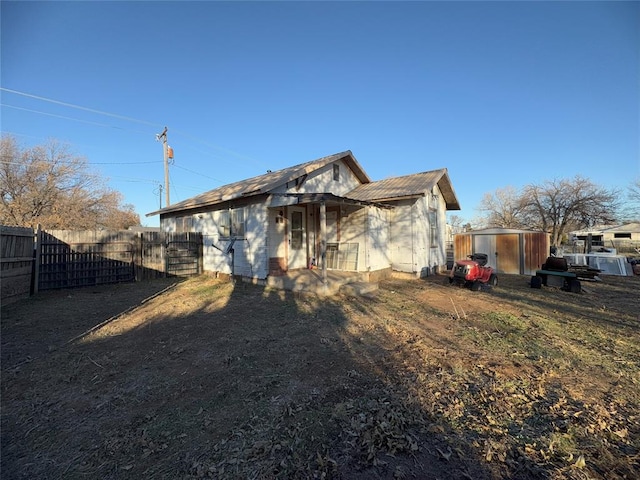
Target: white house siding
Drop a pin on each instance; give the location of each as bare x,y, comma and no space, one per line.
250,252
429,257
410,246
352,230
421,236
401,236
377,239
321,181
254,254
438,254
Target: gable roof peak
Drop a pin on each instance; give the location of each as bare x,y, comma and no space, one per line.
415,184
265,183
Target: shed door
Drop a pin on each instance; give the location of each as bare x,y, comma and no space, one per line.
508,248
297,238
486,244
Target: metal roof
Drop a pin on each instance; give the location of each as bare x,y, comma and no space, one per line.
407,186
499,231
633,227
627,227
264,183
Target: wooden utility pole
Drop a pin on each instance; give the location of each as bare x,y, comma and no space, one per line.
163,137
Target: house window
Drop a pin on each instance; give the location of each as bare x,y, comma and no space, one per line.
433,228
336,172
231,223
184,224
622,235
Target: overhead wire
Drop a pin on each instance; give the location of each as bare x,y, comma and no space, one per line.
198,173
114,115
70,118
126,118
79,107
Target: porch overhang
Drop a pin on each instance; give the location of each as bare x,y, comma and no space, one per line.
284,199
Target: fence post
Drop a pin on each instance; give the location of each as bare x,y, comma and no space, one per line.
165,249
37,256
200,254
138,257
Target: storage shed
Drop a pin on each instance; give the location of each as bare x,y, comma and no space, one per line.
510,250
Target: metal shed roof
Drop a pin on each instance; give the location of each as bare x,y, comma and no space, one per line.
499,231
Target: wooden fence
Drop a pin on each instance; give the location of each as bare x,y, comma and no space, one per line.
16,263
66,259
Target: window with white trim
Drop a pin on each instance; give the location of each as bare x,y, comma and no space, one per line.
433,228
184,224
231,223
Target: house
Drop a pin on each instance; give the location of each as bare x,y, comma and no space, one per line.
326,214
623,238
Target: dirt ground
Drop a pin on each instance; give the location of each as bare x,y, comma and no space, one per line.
204,378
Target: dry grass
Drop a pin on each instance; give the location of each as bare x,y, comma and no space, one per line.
213,380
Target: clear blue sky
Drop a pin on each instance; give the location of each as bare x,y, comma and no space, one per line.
500,93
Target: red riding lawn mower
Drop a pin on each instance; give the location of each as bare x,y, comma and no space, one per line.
473,273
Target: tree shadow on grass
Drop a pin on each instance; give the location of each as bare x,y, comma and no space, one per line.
44,322
221,380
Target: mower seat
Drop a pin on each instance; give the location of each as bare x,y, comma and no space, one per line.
480,258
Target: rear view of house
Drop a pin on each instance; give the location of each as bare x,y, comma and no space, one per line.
327,214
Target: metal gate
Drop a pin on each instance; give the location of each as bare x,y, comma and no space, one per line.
183,254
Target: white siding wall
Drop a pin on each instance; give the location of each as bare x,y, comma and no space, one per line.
321,181
255,261
429,257
369,228
439,254
410,246
250,253
401,236
377,242
421,236
352,230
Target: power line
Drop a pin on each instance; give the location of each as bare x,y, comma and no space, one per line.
89,163
71,118
135,180
199,174
79,107
154,182
122,117
122,163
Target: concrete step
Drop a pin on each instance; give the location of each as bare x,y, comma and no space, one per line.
359,288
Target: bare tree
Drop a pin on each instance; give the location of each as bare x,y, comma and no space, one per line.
49,185
631,210
504,208
634,190
457,223
557,206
